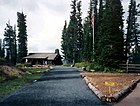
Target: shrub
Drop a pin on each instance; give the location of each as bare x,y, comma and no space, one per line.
24,65
100,68
82,64
28,65
113,70
2,60
20,65
121,71
96,67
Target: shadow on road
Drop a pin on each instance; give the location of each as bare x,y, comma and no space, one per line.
62,72
60,75
58,78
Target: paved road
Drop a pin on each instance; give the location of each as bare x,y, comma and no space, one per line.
60,87
133,99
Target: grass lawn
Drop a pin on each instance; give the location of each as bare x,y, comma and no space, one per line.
11,85
35,70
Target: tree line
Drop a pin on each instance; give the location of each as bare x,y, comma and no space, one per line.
113,44
14,46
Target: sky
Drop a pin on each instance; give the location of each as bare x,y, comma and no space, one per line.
45,20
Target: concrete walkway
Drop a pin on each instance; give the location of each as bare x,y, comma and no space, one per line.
133,99
60,87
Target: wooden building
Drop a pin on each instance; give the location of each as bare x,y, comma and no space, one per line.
44,59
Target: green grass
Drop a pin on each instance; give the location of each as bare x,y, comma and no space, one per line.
67,65
35,70
2,78
9,86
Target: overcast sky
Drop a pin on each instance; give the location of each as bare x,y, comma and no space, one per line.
45,20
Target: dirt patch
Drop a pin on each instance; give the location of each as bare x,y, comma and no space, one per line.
10,71
110,83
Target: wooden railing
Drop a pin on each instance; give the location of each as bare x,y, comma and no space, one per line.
130,67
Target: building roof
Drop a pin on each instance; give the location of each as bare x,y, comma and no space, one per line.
49,56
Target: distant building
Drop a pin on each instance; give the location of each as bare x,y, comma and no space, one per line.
44,58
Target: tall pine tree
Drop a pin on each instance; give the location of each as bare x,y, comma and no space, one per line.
99,33
72,34
1,54
22,36
133,34
10,38
79,33
87,40
88,34
15,45
111,42
64,44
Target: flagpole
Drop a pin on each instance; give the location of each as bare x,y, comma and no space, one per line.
92,6
93,30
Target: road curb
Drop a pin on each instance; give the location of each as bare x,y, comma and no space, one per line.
97,92
124,91
115,97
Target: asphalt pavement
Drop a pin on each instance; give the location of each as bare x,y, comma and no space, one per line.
133,99
62,86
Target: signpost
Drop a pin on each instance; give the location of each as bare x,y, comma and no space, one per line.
110,84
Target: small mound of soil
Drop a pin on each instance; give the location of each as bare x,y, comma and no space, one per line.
10,71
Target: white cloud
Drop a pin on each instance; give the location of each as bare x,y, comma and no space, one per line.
45,20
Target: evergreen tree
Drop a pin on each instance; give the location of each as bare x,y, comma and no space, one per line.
87,40
22,36
128,41
99,28
72,34
111,43
2,53
0,48
64,44
79,33
3,50
9,40
133,33
94,4
136,36
14,45
88,34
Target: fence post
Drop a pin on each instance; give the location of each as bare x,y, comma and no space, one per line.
127,65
